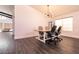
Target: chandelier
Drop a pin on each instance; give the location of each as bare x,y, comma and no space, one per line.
49,11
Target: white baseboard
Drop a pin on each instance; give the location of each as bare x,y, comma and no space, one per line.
71,36
27,36
19,37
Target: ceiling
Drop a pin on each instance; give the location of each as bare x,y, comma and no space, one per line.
7,9
57,10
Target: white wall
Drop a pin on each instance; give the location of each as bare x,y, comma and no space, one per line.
75,32
7,9
27,19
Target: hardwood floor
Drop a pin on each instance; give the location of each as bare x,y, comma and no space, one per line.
34,46
7,43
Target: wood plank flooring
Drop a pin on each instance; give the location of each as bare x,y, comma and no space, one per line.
34,46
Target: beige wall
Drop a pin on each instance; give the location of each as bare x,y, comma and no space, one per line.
27,19
75,32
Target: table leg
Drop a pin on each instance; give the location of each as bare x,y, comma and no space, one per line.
44,37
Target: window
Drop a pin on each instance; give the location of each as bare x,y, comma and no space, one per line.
66,23
5,23
58,23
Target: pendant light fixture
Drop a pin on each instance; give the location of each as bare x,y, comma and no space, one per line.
49,13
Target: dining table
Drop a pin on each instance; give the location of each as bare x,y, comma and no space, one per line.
44,35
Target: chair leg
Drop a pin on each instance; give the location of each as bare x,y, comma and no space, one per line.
55,42
59,39
47,42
